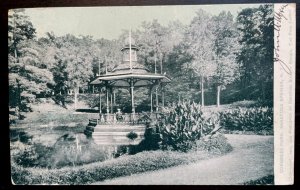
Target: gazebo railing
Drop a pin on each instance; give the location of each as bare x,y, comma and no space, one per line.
124,118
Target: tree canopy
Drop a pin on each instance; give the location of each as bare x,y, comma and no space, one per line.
209,55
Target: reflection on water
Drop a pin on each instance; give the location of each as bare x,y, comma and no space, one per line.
59,146
45,135
19,134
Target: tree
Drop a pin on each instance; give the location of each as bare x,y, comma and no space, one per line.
256,26
74,53
225,49
177,65
154,45
19,29
28,76
107,53
200,40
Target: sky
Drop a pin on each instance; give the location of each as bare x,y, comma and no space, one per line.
108,22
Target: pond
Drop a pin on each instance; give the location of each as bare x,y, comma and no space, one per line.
59,146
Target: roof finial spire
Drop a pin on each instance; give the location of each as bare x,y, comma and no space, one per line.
130,49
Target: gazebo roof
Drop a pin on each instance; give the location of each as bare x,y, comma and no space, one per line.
125,68
126,73
123,80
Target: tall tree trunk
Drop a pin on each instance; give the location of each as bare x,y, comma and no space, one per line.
161,62
18,108
202,91
218,95
14,43
76,90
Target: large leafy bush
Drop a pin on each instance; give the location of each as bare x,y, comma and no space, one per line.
257,119
183,124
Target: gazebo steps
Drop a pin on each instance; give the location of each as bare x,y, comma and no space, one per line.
116,134
114,143
120,140
100,128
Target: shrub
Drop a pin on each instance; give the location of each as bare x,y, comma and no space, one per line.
132,135
33,155
184,124
27,157
244,103
92,100
216,144
257,119
267,180
151,139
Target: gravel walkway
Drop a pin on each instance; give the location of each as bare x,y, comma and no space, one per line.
252,158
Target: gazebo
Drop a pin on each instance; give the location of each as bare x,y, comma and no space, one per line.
129,74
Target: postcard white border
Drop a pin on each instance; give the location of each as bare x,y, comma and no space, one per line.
284,92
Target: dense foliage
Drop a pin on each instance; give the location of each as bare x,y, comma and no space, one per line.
267,180
255,56
255,119
183,124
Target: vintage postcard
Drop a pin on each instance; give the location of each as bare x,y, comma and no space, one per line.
152,95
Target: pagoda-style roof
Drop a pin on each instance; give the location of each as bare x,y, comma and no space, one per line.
125,68
132,47
123,80
130,70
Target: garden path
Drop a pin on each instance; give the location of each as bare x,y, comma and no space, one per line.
251,158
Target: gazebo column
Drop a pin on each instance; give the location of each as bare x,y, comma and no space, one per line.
132,96
111,101
156,97
107,101
114,94
151,100
100,102
163,96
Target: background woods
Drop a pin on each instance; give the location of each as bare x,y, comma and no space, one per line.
214,60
